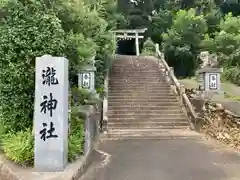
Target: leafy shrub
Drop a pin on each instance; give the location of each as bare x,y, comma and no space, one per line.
82,96
2,132
26,32
19,147
182,41
232,74
149,47
76,137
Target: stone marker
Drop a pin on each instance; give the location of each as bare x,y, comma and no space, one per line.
51,113
209,75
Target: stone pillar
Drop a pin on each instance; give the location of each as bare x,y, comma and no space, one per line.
86,77
51,113
137,44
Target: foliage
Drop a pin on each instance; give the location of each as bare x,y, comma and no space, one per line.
108,10
76,137
175,24
161,21
2,132
31,28
86,22
182,41
226,44
149,48
26,33
82,96
235,98
19,147
232,74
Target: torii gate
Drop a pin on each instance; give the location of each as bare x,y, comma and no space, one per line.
129,34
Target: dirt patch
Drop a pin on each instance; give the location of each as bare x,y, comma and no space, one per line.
217,121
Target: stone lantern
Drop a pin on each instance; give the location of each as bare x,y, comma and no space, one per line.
209,75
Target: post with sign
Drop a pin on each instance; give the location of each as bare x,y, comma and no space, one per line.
51,114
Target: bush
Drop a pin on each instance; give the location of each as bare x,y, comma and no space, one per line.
19,147
232,74
26,32
2,132
76,137
29,29
149,48
182,41
82,96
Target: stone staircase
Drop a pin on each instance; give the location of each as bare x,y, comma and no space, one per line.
141,105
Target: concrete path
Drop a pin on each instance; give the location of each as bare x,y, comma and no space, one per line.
182,159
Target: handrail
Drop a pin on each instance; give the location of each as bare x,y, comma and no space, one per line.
184,100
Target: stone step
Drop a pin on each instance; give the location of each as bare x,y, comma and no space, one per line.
138,88
141,107
139,76
148,110
142,95
132,86
135,77
147,124
125,72
153,119
135,64
147,82
143,117
128,71
136,74
146,93
162,134
139,85
138,98
135,69
142,103
137,80
130,91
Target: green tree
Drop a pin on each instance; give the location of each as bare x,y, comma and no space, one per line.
182,40
226,44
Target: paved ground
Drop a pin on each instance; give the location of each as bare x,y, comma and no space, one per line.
165,160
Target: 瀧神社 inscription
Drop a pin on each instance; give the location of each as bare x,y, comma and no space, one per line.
51,113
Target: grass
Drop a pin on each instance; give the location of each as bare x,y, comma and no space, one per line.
231,91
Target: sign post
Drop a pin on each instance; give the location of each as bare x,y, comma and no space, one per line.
51,114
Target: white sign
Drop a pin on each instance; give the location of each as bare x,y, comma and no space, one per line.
86,80
213,81
51,113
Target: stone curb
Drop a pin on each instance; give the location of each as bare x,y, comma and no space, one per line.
74,171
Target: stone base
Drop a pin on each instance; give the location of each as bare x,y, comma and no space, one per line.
73,171
208,95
